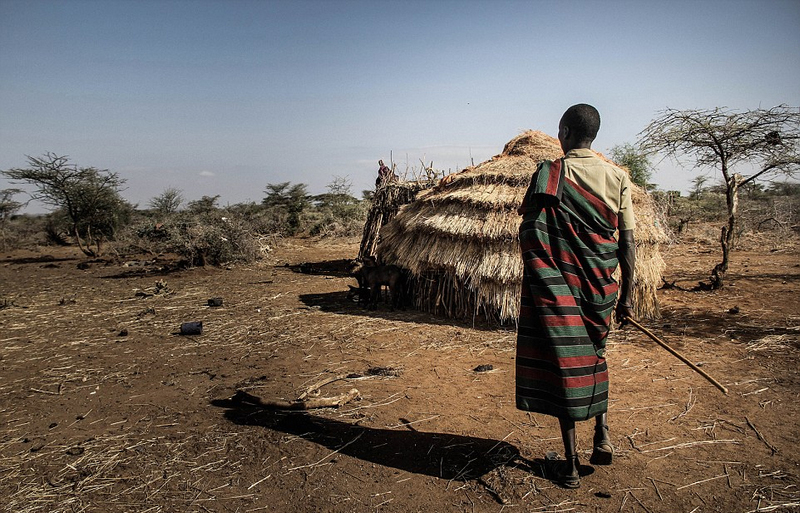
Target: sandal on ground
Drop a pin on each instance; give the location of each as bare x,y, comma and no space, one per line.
557,471
603,452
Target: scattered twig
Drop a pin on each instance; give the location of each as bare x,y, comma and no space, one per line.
640,502
259,481
774,507
702,481
328,455
688,407
624,500
761,437
660,457
656,487
406,424
692,444
48,392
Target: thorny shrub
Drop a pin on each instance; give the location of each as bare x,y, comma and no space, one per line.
211,238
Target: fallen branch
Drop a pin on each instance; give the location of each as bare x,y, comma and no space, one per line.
314,389
298,404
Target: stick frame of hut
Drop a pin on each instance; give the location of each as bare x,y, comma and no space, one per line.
459,240
386,202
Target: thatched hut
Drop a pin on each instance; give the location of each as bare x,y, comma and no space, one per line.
460,240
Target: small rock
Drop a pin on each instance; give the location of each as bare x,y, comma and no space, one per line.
483,368
734,310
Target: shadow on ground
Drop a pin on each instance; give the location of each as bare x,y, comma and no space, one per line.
38,260
441,455
341,268
340,303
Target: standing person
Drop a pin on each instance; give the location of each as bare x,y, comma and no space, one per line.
384,174
570,214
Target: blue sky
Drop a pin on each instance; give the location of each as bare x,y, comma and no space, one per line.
224,97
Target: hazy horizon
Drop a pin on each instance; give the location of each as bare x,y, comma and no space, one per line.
223,98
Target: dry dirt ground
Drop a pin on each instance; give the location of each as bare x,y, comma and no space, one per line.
105,407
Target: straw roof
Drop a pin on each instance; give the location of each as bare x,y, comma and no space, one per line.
466,228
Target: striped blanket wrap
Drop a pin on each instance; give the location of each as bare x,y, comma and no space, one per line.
568,295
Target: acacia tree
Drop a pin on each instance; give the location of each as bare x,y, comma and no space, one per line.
8,207
88,197
168,202
636,161
293,200
766,139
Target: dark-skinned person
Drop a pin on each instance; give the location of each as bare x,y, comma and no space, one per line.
577,227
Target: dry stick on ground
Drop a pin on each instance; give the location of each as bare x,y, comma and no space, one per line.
308,404
319,462
702,481
316,387
640,503
774,507
691,444
656,487
761,437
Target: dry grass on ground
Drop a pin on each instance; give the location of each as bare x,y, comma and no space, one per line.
105,408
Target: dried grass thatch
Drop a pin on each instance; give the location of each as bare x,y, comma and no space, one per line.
460,240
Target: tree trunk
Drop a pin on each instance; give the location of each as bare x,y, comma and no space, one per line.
87,250
728,234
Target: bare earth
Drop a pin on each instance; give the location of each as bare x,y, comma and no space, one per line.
104,407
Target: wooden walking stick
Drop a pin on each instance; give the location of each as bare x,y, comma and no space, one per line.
677,355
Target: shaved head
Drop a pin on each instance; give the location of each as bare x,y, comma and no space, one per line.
583,121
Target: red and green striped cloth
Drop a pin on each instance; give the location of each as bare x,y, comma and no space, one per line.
568,295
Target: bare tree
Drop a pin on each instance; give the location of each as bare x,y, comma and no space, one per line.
766,139
88,197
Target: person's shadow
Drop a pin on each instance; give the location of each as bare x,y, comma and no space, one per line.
442,455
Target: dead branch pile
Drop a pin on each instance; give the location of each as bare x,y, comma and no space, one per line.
387,201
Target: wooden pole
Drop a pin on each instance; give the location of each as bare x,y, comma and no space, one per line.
678,355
